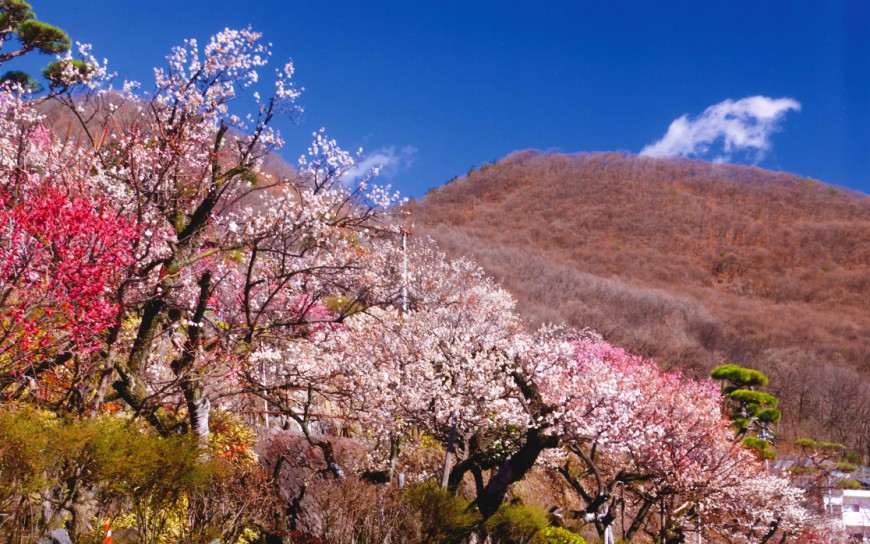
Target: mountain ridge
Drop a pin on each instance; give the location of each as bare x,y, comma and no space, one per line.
692,263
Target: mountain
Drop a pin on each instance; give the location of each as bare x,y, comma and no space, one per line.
692,263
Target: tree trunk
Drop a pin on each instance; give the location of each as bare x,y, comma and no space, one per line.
395,450
638,519
773,528
199,412
514,470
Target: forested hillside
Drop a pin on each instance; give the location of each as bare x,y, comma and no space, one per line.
692,263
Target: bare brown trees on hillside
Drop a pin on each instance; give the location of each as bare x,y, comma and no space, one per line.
689,262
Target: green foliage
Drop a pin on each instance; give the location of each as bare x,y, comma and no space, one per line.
753,397
130,467
126,469
42,36
759,446
828,449
128,462
739,376
769,415
516,522
825,459
443,516
558,535
13,13
847,483
24,469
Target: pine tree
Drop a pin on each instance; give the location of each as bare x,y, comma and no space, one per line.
752,412
19,23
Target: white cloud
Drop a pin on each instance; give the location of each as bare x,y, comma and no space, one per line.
742,125
387,160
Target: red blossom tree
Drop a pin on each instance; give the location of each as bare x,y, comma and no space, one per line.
62,256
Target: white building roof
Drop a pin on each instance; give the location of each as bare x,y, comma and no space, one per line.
856,519
856,493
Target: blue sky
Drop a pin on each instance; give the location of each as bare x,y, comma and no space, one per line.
434,88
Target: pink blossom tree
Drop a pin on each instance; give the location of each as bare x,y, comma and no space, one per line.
651,440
